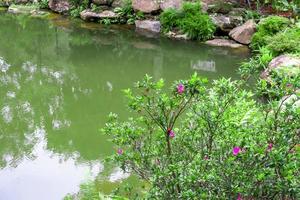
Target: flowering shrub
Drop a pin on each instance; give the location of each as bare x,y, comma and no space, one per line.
205,141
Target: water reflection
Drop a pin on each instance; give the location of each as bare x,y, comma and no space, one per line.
59,79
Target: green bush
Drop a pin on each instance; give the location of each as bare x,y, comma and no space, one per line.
268,27
217,142
168,19
190,20
287,41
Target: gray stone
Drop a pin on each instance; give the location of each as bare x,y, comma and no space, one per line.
286,64
226,23
146,6
224,43
22,9
119,3
108,14
177,36
175,4
89,15
59,6
149,25
102,2
243,33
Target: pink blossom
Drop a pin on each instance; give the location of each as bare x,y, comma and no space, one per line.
120,151
236,151
206,157
239,197
180,88
171,134
270,146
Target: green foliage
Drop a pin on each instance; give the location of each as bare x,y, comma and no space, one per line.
217,142
169,18
127,14
43,4
250,14
256,64
190,20
77,6
268,27
287,41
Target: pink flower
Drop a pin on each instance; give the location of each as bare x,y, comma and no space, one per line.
239,197
270,146
120,151
206,157
236,151
180,88
171,134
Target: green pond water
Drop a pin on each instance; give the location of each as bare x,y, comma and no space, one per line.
60,78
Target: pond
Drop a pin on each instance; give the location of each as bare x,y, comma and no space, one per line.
60,78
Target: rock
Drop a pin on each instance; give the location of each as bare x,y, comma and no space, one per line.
226,23
292,100
146,6
219,7
204,7
149,25
175,4
22,9
101,2
237,12
177,36
59,6
108,14
89,15
243,33
224,43
119,3
286,64
182,37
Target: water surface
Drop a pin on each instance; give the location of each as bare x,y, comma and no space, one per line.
59,79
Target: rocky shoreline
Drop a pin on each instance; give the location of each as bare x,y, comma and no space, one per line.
232,29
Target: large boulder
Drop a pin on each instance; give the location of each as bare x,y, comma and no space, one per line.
226,23
224,43
60,6
284,64
175,4
243,33
146,6
149,25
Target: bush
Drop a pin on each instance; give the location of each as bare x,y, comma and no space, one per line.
201,142
285,42
268,27
190,20
168,19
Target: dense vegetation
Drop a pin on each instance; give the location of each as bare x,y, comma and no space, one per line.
215,141
189,20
